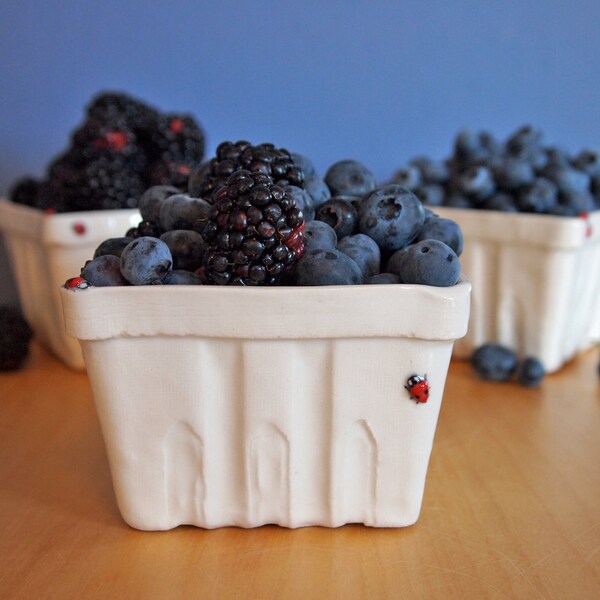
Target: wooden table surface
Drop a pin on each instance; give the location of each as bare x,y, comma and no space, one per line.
511,507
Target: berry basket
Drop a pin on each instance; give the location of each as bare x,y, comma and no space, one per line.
536,282
227,406
44,250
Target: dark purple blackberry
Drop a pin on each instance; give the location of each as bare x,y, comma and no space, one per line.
104,184
15,335
144,229
254,233
116,107
264,158
25,191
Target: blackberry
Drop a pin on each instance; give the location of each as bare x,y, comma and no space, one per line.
25,191
145,229
175,147
254,231
15,335
263,158
112,107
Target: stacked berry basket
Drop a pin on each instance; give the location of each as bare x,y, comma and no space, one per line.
529,214
90,192
253,364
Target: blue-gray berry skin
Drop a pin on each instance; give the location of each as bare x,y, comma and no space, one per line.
588,161
304,164
567,179
444,230
326,267
574,203
146,261
340,214
152,199
539,197
349,177
477,183
409,177
112,246
431,194
319,235
458,200
105,270
181,211
432,171
392,216
197,178
383,279
394,262
530,372
303,201
429,262
187,248
317,189
501,202
512,174
525,142
181,277
494,362
364,251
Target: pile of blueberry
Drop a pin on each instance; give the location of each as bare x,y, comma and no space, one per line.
260,215
495,362
521,174
122,147
15,335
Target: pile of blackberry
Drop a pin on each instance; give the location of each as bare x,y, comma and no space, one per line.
15,335
519,174
230,157
122,147
254,232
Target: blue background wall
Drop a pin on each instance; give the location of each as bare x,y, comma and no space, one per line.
376,81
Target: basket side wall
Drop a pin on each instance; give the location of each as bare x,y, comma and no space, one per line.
215,432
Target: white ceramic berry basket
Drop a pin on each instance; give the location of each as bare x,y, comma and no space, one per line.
536,282
44,251
227,406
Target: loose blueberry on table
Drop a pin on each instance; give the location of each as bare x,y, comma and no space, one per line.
15,335
496,362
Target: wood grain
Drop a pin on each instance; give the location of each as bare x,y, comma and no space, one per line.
511,507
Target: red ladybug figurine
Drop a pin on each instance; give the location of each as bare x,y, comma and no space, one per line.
418,388
77,283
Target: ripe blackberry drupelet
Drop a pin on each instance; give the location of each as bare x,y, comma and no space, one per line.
254,233
264,158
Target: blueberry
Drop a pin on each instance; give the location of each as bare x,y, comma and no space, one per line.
383,279
349,177
197,179
104,270
444,230
588,161
429,262
470,147
530,372
539,197
146,261
317,189
181,277
457,200
364,251
326,267
494,362
305,164
187,248
112,246
567,179
477,183
340,214
512,174
431,194
524,142
409,177
432,171
303,201
319,235
152,199
501,202
392,216
577,202
181,211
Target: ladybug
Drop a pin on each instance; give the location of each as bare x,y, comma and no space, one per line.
418,388
77,283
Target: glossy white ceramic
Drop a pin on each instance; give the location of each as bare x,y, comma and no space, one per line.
44,251
245,406
536,282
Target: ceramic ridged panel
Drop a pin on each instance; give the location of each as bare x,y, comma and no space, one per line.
536,283
248,432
